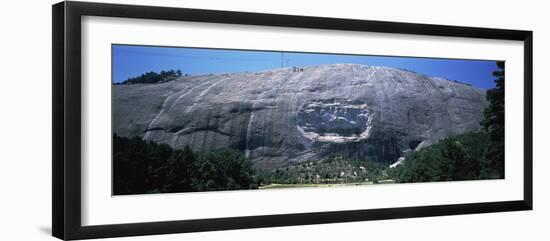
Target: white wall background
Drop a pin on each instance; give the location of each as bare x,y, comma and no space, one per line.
25,116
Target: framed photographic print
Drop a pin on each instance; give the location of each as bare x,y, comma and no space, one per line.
170,120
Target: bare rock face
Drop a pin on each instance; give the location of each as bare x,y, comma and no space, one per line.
284,116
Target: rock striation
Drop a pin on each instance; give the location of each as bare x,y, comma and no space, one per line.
280,117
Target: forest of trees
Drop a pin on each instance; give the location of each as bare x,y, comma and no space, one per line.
146,167
462,157
470,156
153,77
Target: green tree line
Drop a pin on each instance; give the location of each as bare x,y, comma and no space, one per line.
146,167
154,77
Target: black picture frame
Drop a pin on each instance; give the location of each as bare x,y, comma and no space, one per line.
66,47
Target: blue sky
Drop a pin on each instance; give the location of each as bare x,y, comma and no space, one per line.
130,61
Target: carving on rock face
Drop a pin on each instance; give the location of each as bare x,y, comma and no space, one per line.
335,120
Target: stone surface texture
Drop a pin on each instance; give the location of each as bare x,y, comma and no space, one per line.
283,116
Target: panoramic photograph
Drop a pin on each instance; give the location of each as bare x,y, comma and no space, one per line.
202,119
